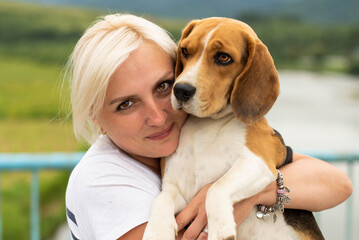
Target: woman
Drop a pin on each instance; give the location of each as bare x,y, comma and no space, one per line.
121,79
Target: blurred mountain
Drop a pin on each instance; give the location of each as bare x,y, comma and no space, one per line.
320,11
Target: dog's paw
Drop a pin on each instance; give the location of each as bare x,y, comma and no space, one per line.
161,230
224,233
221,224
221,227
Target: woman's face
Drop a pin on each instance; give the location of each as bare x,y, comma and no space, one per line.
137,114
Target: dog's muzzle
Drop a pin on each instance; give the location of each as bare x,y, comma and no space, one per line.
184,91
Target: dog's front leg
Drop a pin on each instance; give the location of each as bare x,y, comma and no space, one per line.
162,223
247,177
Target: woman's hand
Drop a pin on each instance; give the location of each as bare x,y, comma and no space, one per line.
242,209
195,216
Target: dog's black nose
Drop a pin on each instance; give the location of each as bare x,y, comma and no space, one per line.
184,91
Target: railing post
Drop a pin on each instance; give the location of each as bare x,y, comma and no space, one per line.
35,223
0,209
349,206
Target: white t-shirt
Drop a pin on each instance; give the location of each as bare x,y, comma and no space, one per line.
109,193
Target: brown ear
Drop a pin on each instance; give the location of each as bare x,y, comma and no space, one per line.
257,87
186,32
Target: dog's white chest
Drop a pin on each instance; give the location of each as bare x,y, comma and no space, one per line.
207,149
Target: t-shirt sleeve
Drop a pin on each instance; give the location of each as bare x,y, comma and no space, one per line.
110,205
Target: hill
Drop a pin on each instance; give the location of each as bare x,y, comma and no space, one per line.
320,11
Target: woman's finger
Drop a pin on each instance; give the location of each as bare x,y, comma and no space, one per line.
195,207
203,236
195,229
185,217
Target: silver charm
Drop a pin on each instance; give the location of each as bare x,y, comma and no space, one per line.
266,216
259,214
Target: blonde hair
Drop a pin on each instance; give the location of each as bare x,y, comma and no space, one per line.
102,48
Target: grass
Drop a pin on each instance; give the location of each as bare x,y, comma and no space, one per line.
28,90
37,136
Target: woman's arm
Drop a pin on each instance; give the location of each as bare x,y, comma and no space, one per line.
315,185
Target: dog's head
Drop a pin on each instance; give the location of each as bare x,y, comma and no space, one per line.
221,61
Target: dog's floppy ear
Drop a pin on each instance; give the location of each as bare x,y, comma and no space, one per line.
185,34
257,87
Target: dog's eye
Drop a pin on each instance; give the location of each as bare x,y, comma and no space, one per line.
223,58
184,52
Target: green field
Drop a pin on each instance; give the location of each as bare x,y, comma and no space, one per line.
32,117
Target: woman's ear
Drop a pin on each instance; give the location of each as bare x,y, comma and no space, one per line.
257,87
103,131
188,29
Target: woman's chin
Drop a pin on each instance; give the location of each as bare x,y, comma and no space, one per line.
168,149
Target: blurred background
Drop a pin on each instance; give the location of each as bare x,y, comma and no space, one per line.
314,43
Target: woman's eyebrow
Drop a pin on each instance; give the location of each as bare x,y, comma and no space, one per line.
164,77
121,99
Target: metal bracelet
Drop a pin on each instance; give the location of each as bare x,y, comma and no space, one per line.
264,212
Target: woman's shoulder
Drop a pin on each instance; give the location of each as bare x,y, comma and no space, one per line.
105,164
109,193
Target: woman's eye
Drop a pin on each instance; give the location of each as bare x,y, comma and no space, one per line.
164,86
124,105
223,58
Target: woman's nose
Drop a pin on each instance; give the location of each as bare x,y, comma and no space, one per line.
156,114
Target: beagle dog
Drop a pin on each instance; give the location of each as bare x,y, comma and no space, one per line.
226,80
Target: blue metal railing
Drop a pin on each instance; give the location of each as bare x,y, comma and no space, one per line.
61,161
35,163
350,159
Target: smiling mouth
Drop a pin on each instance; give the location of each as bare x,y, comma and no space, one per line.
161,135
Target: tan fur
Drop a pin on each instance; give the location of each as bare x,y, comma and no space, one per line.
303,236
210,74
264,142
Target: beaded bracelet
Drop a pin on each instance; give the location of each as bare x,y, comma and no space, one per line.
264,212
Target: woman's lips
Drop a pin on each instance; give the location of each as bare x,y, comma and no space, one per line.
161,135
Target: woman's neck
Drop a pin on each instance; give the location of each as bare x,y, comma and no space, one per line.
152,163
